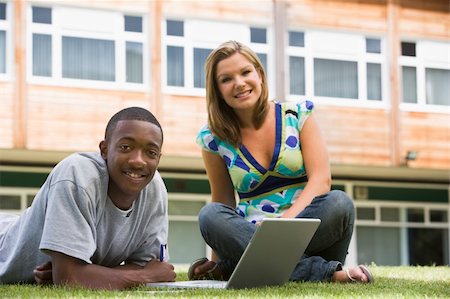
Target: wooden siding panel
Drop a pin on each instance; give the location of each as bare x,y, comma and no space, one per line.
355,136
424,18
73,119
429,135
183,117
354,15
259,12
6,115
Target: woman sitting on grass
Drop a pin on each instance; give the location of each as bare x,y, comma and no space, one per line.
274,157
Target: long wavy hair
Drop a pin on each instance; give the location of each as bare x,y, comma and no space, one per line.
222,119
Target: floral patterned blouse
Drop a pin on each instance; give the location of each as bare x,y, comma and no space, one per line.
266,192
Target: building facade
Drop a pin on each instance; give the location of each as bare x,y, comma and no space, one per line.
378,72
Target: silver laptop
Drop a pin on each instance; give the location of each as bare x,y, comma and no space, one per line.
269,259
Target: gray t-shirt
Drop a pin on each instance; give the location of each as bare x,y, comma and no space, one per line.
73,214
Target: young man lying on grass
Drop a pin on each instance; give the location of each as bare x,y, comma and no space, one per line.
100,220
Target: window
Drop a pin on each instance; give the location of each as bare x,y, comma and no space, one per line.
333,65
187,44
2,51
437,82
408,49
335,78
425,74
5,38
42,15
94,52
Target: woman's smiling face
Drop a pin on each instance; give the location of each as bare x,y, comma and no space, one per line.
238,81
132,154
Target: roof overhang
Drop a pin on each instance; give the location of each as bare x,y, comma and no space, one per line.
170,163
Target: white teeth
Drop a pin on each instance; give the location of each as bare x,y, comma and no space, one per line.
134,175
243,94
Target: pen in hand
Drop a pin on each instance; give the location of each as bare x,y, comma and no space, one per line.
162,247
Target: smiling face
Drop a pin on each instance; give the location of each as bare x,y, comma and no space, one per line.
238,81
132,152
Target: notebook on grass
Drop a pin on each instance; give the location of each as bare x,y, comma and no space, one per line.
269,258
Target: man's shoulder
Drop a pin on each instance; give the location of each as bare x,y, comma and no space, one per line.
81,167
83,159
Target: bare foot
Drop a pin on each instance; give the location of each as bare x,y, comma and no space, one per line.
355,274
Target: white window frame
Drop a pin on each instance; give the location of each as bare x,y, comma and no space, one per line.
56,30
421,62
402,224
188,42
362,58
6,25
22,193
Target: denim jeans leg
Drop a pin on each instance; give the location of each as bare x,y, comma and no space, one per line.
328,248
226,232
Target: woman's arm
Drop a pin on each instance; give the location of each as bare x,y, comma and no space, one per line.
317,165
219,179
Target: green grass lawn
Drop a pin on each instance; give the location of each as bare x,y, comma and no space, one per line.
390,282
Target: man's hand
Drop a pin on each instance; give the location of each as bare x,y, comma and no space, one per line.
157,271
43,273
70,271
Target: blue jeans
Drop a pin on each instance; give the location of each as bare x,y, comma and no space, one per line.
228,234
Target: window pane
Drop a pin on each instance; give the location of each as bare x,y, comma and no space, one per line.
42,15
373,45
296,39
2,11
371,244
42,55
175,66
409,84
428,246
181,207
185,242
438,216
374,81
390,214
175,28
85,58
263,58
258,35
134,63
133,24
297,75
415,215
335,78
408,49
2,51
9,202
437,86
30,199
365,213
200,56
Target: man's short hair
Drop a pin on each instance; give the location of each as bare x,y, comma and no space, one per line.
131,113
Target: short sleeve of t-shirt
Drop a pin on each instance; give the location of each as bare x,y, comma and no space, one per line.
207,141
70,212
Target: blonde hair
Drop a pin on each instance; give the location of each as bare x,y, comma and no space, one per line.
222,119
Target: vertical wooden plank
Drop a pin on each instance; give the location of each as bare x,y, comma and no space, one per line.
393,52
19,102
280,16
156,102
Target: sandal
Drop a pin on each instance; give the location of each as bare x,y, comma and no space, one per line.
366,272
212,274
